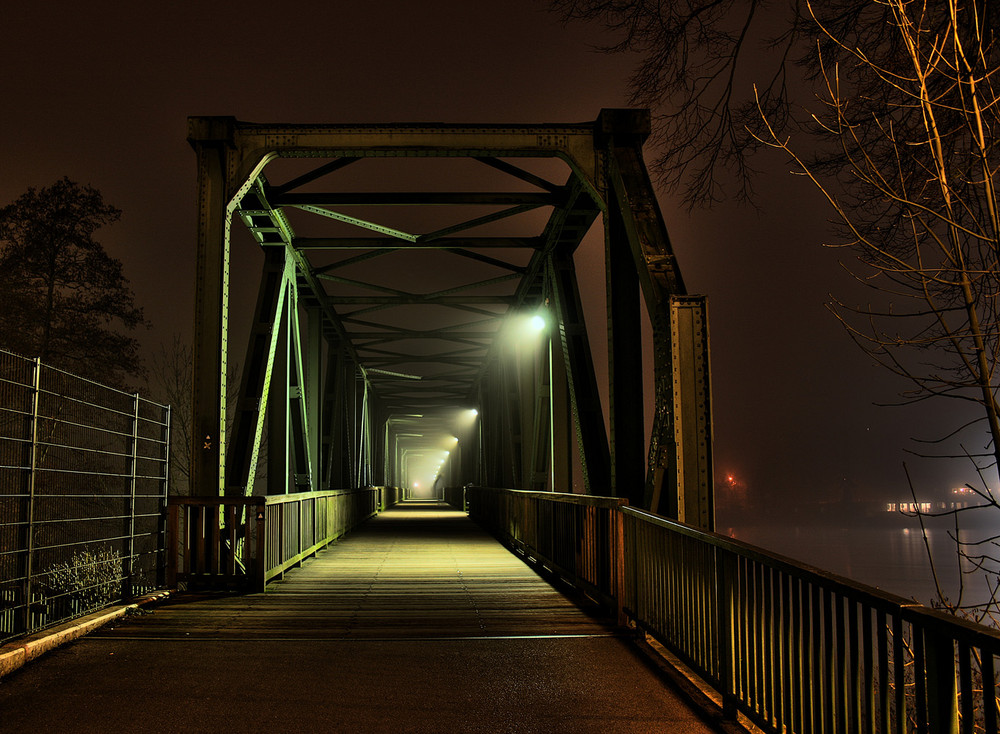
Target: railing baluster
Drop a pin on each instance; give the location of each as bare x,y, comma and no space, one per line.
799,688
919,678
796,650
965,686
989,691
866,681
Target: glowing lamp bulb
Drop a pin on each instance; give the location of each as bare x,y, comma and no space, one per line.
537,322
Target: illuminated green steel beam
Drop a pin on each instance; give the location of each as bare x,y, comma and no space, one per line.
357,222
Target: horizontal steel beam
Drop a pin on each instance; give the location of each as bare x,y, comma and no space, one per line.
442,243
415,198
412,299
396,335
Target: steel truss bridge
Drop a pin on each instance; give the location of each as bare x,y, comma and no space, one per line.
404,268
411,274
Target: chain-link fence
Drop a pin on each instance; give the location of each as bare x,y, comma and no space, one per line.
83,477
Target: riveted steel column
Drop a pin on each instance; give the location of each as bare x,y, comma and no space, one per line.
212,140
692,410
671,489
627,440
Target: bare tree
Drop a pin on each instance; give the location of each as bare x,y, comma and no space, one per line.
170,380
65,299
915,196
700,62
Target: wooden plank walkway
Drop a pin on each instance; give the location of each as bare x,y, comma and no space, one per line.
417,622
422,571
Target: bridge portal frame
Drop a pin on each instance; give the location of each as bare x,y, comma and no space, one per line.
605,157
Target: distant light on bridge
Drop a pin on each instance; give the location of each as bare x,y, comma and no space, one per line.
537,322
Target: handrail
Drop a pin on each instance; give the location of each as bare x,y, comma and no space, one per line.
245,542
792,647
575,536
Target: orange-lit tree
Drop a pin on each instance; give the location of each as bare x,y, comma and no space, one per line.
911,175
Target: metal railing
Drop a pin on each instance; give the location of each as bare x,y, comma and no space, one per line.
83,476
246,542
576,536
791,647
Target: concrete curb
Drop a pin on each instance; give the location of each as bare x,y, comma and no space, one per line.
15,654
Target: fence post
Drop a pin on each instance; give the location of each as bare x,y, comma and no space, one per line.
260,567
161,526
172,545
618,561
127,591
36,384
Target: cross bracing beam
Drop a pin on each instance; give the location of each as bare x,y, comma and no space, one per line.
319,365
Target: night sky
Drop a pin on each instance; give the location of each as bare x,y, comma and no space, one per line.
100,92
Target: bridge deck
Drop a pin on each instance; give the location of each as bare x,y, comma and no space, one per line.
417,622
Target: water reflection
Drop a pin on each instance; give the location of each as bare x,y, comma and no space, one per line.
893,557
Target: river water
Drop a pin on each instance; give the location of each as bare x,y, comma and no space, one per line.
890,556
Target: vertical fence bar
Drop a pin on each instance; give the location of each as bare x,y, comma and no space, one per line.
942,698
919,678
796,650
133,482
724,620
36,384
968,714
165,549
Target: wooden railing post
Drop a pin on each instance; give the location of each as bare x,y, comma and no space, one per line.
260,565
618,563
172,546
